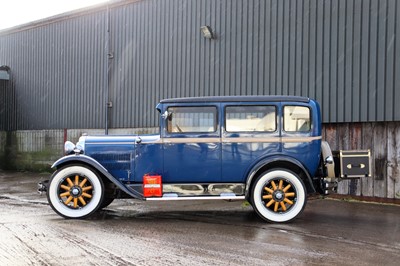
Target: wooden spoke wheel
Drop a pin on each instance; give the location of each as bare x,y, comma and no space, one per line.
75,191
278,195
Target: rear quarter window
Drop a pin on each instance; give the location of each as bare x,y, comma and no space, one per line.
296,119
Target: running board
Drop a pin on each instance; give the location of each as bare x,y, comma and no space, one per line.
174,196
190,191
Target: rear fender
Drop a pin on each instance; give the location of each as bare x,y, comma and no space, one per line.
86,160
274,162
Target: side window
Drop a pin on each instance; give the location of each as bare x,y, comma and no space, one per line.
250,119
297,119
199,119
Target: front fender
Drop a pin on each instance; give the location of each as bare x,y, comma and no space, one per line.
83,159
79,158
274,159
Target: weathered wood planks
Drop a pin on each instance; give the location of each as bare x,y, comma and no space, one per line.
383,139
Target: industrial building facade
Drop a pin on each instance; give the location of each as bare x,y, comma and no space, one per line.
105,68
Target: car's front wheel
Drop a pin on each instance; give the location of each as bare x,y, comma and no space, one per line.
106,201
75,191
278,195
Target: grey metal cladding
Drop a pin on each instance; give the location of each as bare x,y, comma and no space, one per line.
345,54
57,73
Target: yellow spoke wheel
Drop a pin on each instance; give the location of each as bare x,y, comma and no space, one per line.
75,191
278,195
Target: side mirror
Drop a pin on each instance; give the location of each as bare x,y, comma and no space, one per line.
165,115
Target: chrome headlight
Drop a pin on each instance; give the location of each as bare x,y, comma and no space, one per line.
69,147
80,147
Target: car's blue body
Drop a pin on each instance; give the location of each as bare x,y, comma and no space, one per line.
265,149
206,157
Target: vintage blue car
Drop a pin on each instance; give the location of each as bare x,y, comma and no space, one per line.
267,150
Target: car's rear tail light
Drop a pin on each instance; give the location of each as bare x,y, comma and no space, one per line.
152,186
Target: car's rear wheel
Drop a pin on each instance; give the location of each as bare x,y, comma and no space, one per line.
75,191
278,195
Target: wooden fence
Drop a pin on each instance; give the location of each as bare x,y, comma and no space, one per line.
28,148
383,139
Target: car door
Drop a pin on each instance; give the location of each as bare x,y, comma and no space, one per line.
250,133
191,141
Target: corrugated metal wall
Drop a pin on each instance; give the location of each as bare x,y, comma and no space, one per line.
344,53
58,74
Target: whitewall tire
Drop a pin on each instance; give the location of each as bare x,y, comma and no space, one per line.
75,191
278,195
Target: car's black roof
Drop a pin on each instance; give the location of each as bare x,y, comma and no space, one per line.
262,98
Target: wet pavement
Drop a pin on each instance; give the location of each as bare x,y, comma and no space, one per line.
129,232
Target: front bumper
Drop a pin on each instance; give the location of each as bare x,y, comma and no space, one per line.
42,187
